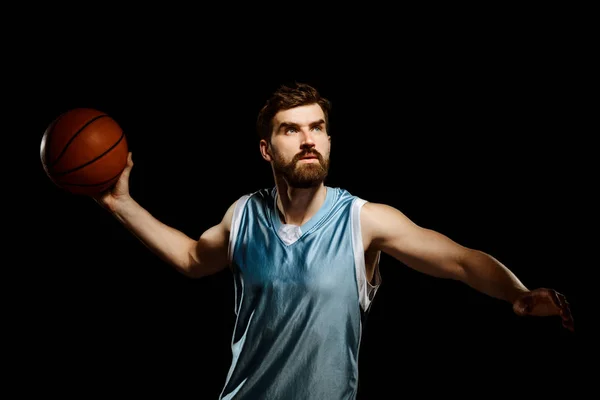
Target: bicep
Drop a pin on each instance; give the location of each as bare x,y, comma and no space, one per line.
390,231
210,252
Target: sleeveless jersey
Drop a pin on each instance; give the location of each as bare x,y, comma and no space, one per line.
301,295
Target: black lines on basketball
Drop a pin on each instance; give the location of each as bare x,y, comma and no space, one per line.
94,184
57,174
64,149
91,151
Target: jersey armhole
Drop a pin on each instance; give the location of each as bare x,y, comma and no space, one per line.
366,289
235,226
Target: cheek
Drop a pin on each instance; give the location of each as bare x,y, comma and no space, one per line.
324,146
281,153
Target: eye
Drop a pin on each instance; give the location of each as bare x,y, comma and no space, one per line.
291,130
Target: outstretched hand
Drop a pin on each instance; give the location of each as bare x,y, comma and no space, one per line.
119,191
545,302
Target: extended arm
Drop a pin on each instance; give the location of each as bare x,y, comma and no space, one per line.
390,231
386,229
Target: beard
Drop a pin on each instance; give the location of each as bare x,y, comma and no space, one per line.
302,175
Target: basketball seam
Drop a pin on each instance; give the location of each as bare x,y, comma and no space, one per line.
92,184
73,138
57,174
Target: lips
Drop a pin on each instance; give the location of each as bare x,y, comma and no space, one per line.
309,156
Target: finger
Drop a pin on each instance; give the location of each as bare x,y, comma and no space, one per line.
556,298
129,164
569,324
561,303
126,171
565,311
563,306
565,315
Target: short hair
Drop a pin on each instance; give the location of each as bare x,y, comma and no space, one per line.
285,97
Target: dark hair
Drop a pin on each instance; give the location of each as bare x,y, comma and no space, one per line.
286,97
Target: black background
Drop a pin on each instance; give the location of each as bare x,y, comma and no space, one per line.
473,136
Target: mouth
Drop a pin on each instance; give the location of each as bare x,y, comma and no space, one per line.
311,158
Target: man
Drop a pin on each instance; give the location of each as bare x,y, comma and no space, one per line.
305,261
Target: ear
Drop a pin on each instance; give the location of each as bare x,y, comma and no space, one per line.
265,150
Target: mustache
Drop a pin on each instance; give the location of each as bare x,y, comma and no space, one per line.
303,154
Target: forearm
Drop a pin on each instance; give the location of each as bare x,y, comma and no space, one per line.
171,245
487,275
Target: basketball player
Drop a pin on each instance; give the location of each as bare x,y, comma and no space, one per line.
305,260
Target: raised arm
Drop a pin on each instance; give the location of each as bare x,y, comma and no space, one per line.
386,229
193,258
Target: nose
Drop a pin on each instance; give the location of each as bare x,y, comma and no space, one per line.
308,141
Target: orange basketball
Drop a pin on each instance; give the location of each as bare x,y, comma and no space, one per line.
84,151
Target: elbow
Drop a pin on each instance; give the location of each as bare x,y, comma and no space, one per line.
453,271
196,268
461,268
188,263
470,266
460,273
192,273
192,267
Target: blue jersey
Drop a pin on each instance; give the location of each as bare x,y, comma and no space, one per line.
300,297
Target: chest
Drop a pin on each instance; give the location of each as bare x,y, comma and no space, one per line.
321,258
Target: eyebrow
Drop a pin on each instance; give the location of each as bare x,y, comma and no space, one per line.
295,125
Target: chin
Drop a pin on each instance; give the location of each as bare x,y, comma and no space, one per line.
305,184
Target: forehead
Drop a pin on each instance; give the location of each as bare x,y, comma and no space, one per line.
302,115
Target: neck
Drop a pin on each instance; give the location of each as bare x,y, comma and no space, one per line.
296,206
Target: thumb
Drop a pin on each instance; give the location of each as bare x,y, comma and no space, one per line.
128,166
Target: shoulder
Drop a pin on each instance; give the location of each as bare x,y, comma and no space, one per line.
372,211
262,196
259,196
379,220
382,214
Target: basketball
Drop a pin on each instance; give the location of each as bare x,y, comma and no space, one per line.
84,151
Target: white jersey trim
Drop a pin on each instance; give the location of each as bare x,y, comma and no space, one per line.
235,225
366,289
